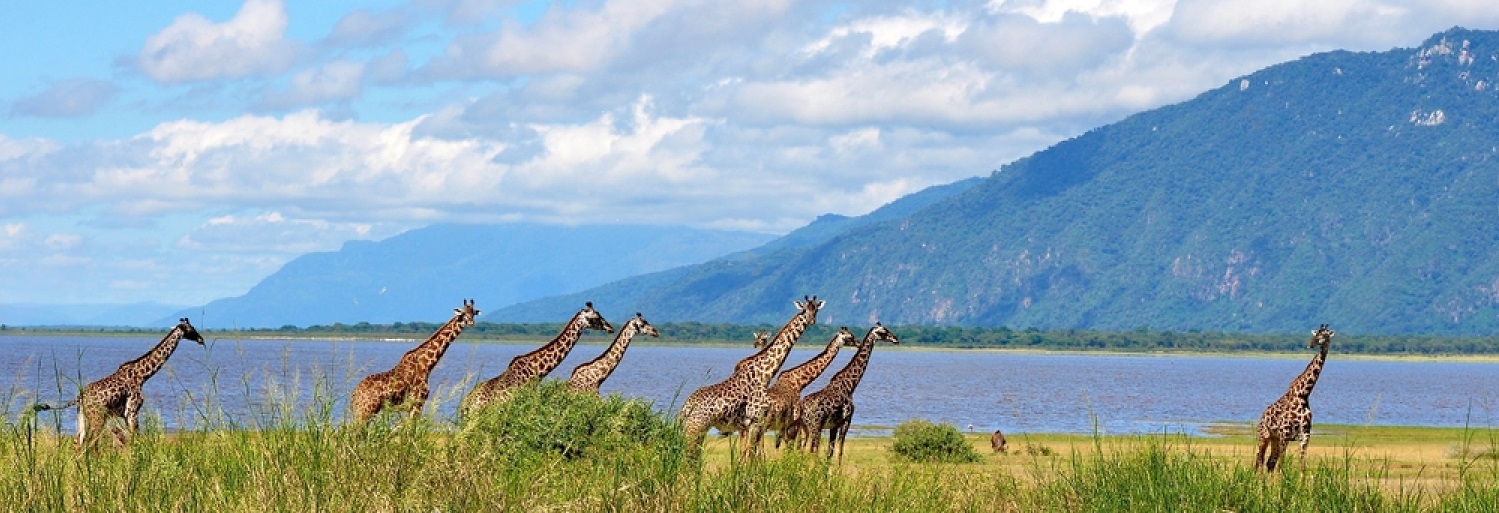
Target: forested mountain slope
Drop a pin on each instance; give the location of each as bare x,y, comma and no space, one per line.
1357,189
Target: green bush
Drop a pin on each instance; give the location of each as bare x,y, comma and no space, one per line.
919,440
547,418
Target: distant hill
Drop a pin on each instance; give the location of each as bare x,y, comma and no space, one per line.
1357,189
680,282
421,275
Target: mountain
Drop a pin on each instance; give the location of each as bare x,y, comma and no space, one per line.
422,274
638,290
1357,189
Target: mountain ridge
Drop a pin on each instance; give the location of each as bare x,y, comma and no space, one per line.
1352,188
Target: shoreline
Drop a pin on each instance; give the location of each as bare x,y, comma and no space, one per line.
601,341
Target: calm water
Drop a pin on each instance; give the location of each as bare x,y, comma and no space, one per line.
1014,392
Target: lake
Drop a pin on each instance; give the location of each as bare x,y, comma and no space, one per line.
250,382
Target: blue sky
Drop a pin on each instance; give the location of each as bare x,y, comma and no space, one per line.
178,152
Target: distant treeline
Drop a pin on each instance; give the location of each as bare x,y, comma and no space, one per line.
1138,340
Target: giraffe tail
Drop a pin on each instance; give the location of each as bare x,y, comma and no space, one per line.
45,406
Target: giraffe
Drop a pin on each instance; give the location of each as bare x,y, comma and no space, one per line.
788,387
536,364
1290,417
406,384
762,338
119,394
833,406
588,377
739,402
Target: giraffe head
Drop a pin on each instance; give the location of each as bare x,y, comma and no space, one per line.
593,320
762,337
1321,337
466,314
846,338
188,331
638,324
809,307
880,333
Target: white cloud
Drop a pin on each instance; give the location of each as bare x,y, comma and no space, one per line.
66,99
271,232
336,80
195,48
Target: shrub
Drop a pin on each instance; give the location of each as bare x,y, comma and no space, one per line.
919,440
547,418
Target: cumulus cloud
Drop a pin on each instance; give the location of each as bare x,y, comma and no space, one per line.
66,99
195,48
271,232
336,80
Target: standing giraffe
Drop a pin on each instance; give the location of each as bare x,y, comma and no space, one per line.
536,364
406,384
588,377
119,394
833,406
1290,417
788,387
739,402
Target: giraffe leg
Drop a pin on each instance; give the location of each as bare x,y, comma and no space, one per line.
132,413
83,429
1259,455
695,431
842,437
1301,458
1277,449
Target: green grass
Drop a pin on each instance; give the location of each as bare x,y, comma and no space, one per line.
549,450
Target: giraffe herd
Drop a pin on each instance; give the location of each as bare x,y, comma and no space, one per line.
746,403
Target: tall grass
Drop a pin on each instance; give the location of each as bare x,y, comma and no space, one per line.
551,450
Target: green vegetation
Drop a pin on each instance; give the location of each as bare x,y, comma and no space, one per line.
922,441
1318,190
950,337
553,450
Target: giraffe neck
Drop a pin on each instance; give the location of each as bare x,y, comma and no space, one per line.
1302,386
762,366
847,378
146,366
424,357
610,359
800,376
544,359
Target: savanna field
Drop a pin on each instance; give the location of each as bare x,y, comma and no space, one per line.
547,447
552,450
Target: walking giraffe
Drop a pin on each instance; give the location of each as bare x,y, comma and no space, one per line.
833,406
119,395
406,384
787,390
1290,417
738,403
589,376
536,364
